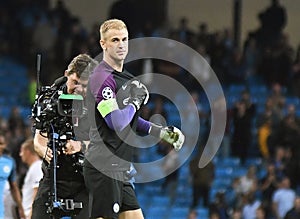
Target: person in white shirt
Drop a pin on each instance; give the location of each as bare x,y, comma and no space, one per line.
249,209
33,175
283,198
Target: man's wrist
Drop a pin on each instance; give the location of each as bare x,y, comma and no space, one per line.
83,146
155,130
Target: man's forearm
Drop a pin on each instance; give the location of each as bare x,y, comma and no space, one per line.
15,192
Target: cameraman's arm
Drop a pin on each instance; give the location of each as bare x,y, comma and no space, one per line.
40,146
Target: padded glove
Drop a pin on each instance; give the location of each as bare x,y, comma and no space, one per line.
169,134
139,94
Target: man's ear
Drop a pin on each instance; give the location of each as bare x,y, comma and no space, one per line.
102,44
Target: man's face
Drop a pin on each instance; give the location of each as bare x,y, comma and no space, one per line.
115,45
75,85
2,144
23,154
81,89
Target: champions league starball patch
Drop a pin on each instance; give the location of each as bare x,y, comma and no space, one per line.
107,93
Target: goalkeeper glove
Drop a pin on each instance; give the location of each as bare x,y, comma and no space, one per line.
139,94
169,134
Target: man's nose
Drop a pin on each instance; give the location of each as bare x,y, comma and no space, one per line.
78,89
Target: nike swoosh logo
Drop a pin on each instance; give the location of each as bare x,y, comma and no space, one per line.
124,86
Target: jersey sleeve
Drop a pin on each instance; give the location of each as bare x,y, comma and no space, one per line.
36,174
13,173
103,88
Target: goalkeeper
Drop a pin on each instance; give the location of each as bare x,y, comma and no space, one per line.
114,100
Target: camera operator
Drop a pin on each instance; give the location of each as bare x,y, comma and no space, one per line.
69,178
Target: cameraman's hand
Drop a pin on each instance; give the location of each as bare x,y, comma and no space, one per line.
72,147
40,146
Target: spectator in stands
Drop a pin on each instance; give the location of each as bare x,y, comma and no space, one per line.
289,130
33,175
289,136
250,207
15,120
273,19
233,193
236,213
294,213
192,214
217,52
183,32
283,198
267,186
219,206
214,215
158,115
242,115
278,99
170,163
268,130
248,182
235,68
203,37
260,213
296,73
202,179
264,132
78,38
251,57
192,112
279,160
200,67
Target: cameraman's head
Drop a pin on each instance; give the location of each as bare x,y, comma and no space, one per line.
78,73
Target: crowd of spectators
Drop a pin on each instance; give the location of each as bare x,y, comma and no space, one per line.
28,27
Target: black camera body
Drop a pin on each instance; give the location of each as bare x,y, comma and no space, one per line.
55,109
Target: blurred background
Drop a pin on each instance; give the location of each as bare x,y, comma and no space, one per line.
252,46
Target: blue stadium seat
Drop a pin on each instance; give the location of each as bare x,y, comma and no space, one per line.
292,100
258,90
5,111
230,162
236,88
223,172
178,212
239,171
160,200
221,182
202,212
256,161
156,212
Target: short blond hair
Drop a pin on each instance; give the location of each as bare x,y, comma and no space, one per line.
29,145
111,24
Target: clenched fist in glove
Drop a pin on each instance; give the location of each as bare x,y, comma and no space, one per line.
138,94
169,134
